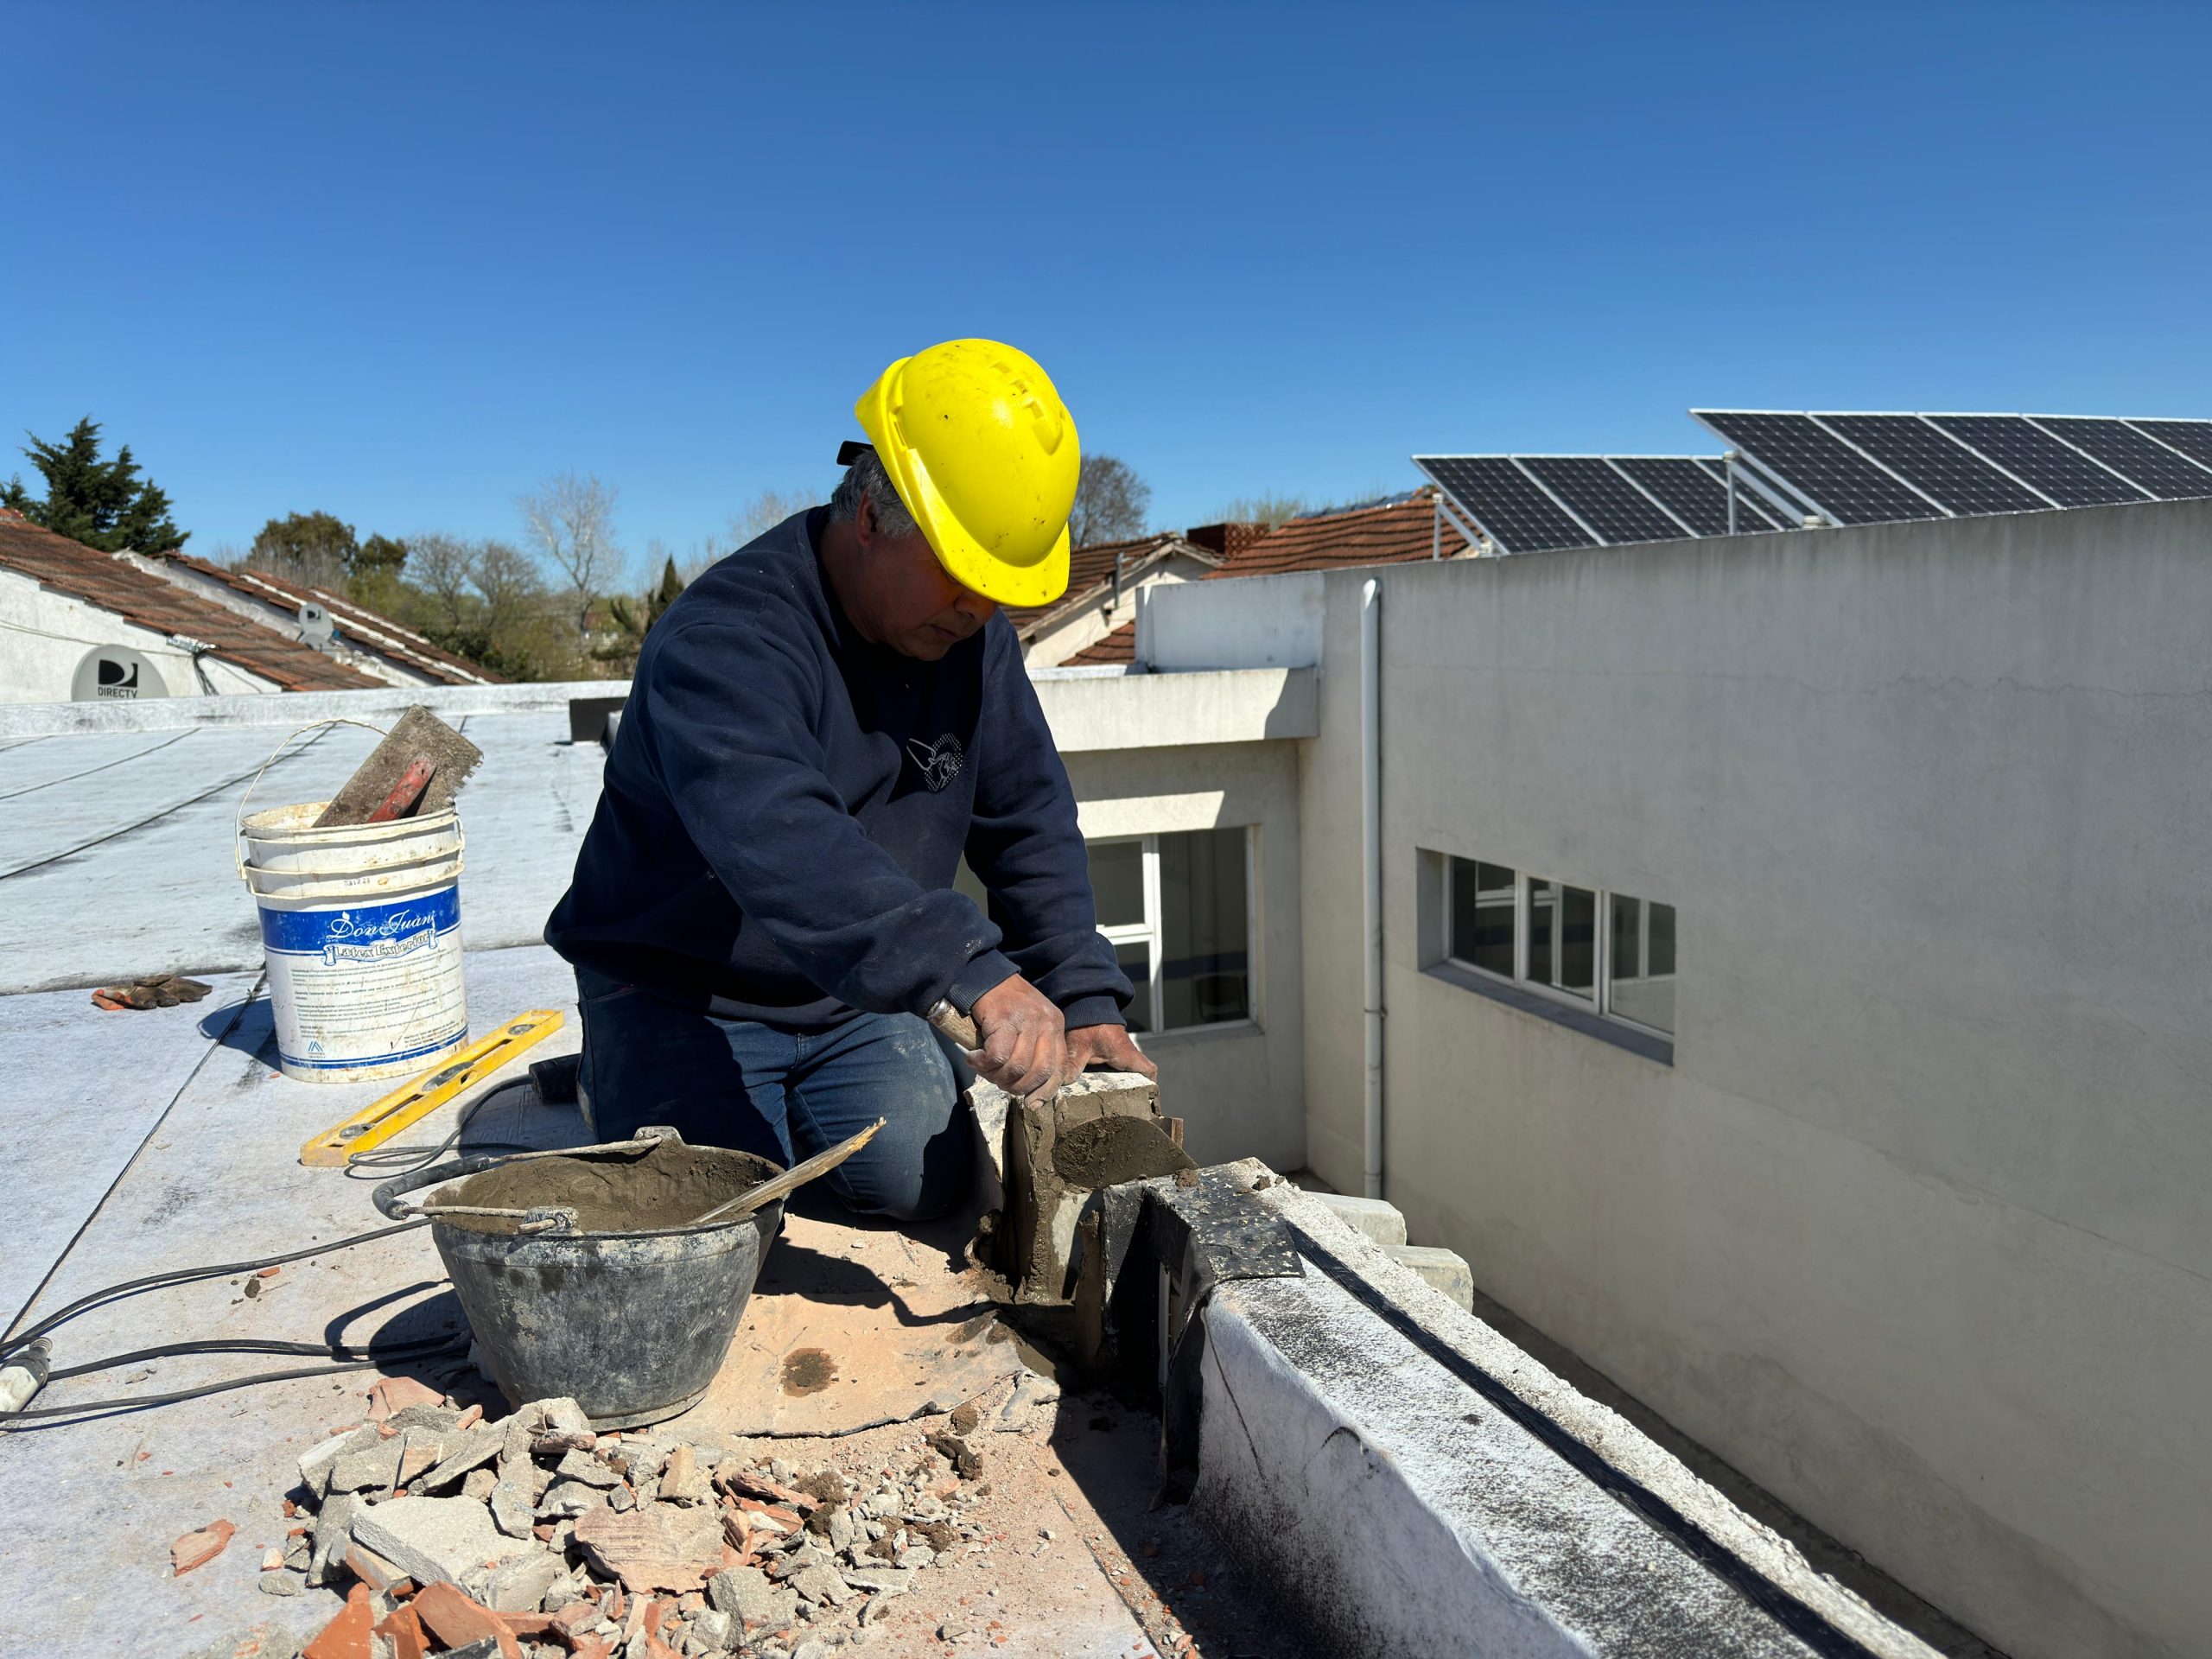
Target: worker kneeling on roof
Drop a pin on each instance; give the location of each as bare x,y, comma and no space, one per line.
764,910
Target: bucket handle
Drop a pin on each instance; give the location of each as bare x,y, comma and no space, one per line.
387,1195
238,834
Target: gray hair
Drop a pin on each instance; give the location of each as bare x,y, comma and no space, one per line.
866,479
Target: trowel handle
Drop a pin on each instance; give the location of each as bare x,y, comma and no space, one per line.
955,1025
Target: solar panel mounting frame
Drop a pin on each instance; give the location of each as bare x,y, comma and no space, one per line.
1769,490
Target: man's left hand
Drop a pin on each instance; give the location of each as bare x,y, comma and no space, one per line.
1109,1047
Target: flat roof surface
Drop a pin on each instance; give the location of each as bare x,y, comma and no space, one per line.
117,849
146,1140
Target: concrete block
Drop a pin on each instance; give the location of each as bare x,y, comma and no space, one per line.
374,1468
1445,1270
745,1593
438,1540
520,1585
333,1533
1376,1219
317,1462
465,1454
1042,1204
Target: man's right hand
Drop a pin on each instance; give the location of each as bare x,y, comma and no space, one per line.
1024,1043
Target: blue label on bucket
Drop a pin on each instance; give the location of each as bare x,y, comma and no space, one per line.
363,932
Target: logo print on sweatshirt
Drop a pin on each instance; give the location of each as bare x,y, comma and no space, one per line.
939,761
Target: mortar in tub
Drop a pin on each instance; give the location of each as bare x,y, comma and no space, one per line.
631,1313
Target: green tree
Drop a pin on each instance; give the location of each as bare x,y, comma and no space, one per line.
317,549
632,619
108,505
379,555
374,578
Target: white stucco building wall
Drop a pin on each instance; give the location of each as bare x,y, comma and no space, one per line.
44,634
1914,1225
1097,617
1154,754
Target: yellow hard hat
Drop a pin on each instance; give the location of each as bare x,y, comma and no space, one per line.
983,452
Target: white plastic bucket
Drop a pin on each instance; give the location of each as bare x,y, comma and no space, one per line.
360,928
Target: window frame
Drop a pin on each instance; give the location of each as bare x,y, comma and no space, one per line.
1600,1001
1151,931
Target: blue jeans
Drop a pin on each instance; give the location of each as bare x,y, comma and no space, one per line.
783,1094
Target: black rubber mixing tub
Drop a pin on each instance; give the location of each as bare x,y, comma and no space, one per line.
630,1312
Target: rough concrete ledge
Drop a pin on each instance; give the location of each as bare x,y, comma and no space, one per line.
1415,1483
1377,1220
1144,711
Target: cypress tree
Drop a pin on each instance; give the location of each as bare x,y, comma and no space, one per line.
108,505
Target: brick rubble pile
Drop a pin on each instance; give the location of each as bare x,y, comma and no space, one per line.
534,1537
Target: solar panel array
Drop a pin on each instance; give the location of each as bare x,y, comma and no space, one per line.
1867,469
1793,469
1516,511
1541,504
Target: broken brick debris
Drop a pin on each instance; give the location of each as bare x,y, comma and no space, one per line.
392,1394
199,1547
456,1620
535,1536
660,1547
347,1635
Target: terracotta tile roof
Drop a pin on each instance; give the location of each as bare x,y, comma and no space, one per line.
1091,569
1119,646
362,627
1391,534
138,596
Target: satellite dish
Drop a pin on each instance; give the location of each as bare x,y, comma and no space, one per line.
315,626
115,674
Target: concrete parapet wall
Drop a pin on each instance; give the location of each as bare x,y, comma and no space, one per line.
1911,1224
1412,1483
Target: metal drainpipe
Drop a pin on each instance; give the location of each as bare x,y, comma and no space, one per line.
1370,853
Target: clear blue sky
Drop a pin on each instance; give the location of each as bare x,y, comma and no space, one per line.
398,262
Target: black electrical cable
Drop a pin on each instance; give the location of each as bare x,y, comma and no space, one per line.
333,1350
134,1402
184,1276
384,1162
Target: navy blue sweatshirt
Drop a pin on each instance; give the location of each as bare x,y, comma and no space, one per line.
785,804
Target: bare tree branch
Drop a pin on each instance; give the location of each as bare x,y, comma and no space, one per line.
443,566
767,510
568,521
1110,503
